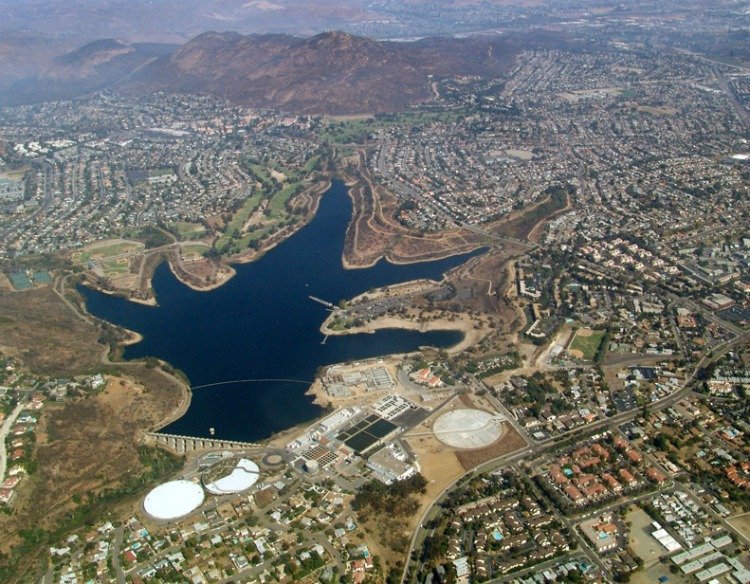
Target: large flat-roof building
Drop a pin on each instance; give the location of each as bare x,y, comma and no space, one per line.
388,468
10,190
602,533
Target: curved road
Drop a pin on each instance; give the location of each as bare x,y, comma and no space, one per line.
538,448
9,421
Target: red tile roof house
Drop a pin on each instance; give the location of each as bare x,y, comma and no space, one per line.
130,556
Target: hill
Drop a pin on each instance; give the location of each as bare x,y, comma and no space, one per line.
330,73
49,76
333,72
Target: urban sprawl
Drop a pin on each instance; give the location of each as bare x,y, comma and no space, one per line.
602,437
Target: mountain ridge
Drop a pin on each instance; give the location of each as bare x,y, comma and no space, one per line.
332,72
329,73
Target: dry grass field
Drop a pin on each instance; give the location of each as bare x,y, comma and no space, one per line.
47,337
90,443
742,524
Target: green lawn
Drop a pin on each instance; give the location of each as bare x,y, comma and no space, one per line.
310,165
256,234
588,345
150,235
240,218
187,230
355,131
113,250
115,267
277,200
193,250
104,252
261,172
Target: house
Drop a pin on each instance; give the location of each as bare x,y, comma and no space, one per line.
426,377
462,569
633,455
361,564
626,476
655,475
574,494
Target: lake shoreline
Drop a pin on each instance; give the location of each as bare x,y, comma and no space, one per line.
259,338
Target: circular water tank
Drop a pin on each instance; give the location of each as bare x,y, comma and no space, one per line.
312,466
173,500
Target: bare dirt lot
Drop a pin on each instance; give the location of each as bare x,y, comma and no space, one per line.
509,442
5,284
648,549
488,278
640,541
438,462
742,524
652,574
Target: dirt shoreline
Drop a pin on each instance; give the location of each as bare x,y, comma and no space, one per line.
462,324
348,265
410,286
223,278
186,394
145,301
227,272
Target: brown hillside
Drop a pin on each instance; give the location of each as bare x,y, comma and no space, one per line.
332,72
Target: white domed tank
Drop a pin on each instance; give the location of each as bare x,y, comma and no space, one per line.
312,467
173,500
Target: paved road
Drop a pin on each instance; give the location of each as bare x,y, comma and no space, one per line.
116,548
500,407
9,421
572,556
550,444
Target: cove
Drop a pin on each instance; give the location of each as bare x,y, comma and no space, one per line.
262,325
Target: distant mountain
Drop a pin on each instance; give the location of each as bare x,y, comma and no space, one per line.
333,72
178,20
27,54
94,66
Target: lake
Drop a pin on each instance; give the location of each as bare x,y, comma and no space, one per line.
262,327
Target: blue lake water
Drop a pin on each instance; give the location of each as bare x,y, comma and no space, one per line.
263,325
